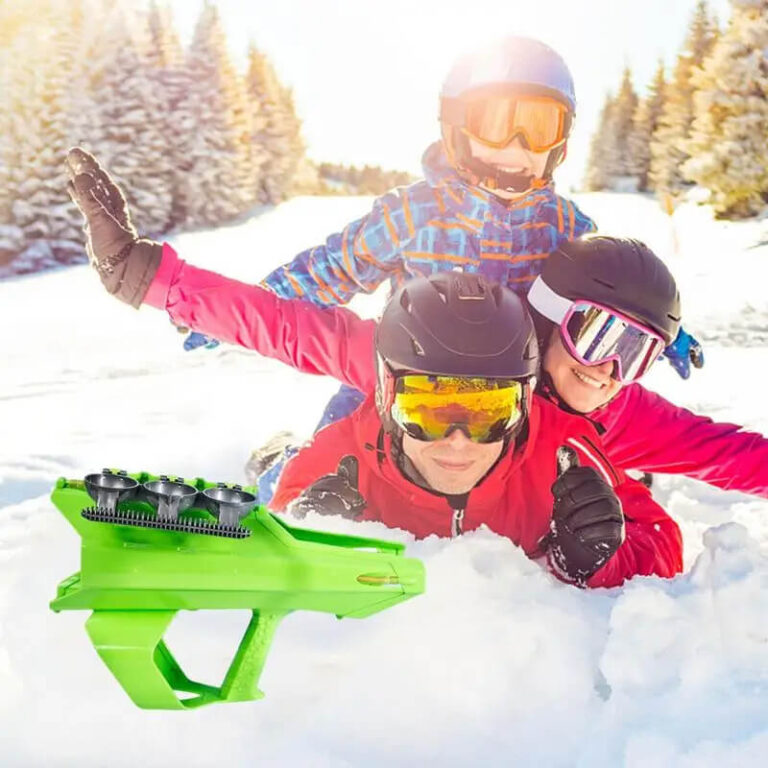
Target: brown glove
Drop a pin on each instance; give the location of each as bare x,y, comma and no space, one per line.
126,264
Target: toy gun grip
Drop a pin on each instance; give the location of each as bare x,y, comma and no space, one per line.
131,644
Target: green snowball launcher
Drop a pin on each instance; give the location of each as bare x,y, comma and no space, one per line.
135,578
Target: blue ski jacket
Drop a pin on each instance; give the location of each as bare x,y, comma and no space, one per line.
434,225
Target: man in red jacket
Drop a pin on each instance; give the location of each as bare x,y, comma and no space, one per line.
453,437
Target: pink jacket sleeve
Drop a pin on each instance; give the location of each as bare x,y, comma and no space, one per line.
646,432
327,341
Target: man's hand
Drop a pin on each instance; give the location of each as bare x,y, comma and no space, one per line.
126,264
587,524
334,494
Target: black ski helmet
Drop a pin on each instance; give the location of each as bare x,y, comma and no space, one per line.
620,273
454,324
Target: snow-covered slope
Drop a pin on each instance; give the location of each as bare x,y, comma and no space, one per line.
497,662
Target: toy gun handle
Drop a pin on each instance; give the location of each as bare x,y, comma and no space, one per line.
131,644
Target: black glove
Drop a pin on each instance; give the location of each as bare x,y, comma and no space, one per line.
125,263
334,494
587,524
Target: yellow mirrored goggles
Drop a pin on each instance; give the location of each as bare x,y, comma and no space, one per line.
429,407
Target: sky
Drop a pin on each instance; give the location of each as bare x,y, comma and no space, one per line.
366,74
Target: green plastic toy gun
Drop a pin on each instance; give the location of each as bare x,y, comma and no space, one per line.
153,545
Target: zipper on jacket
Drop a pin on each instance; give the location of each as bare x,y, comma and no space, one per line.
456,523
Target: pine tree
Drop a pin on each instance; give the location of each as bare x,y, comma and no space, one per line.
729,140
611,165
645,124
164,49
276,128
215,122
598,173
36,129
623,164
126,134
668,146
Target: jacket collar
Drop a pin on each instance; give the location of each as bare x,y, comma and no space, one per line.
463,198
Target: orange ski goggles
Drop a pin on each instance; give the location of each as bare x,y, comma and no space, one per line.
430,407
495,119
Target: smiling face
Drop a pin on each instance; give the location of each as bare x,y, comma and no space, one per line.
513,158
454,464
583,387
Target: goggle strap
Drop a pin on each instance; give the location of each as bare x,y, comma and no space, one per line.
452,111
548,303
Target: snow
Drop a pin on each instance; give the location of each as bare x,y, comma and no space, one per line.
496,662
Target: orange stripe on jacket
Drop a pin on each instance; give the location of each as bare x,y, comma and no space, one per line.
390,226
365,252
476,223
345,253
535,225
452,225
325,288
496,244
440,201
407,212
426,256
453,195
524,203
294,283
491,256
571,219
560,224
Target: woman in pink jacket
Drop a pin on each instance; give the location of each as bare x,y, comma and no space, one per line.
641,430
604,309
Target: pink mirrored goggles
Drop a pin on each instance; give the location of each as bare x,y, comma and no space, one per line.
593,333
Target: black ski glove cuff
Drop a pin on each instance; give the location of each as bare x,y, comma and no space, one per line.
587,525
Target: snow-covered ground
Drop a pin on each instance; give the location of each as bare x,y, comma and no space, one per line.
496,663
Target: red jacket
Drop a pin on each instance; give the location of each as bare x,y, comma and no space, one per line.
642,430
514,499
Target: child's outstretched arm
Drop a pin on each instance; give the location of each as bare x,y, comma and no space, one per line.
355,260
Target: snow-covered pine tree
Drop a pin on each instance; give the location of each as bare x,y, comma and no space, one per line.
623,164
125,133
164,49
597,175
276,129
215,125
610,163
171,82
37,214
729,138
645,123
668,145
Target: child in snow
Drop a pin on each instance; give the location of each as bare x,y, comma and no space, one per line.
487,203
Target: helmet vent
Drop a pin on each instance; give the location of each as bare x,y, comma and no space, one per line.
417,348
604,282
405,302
